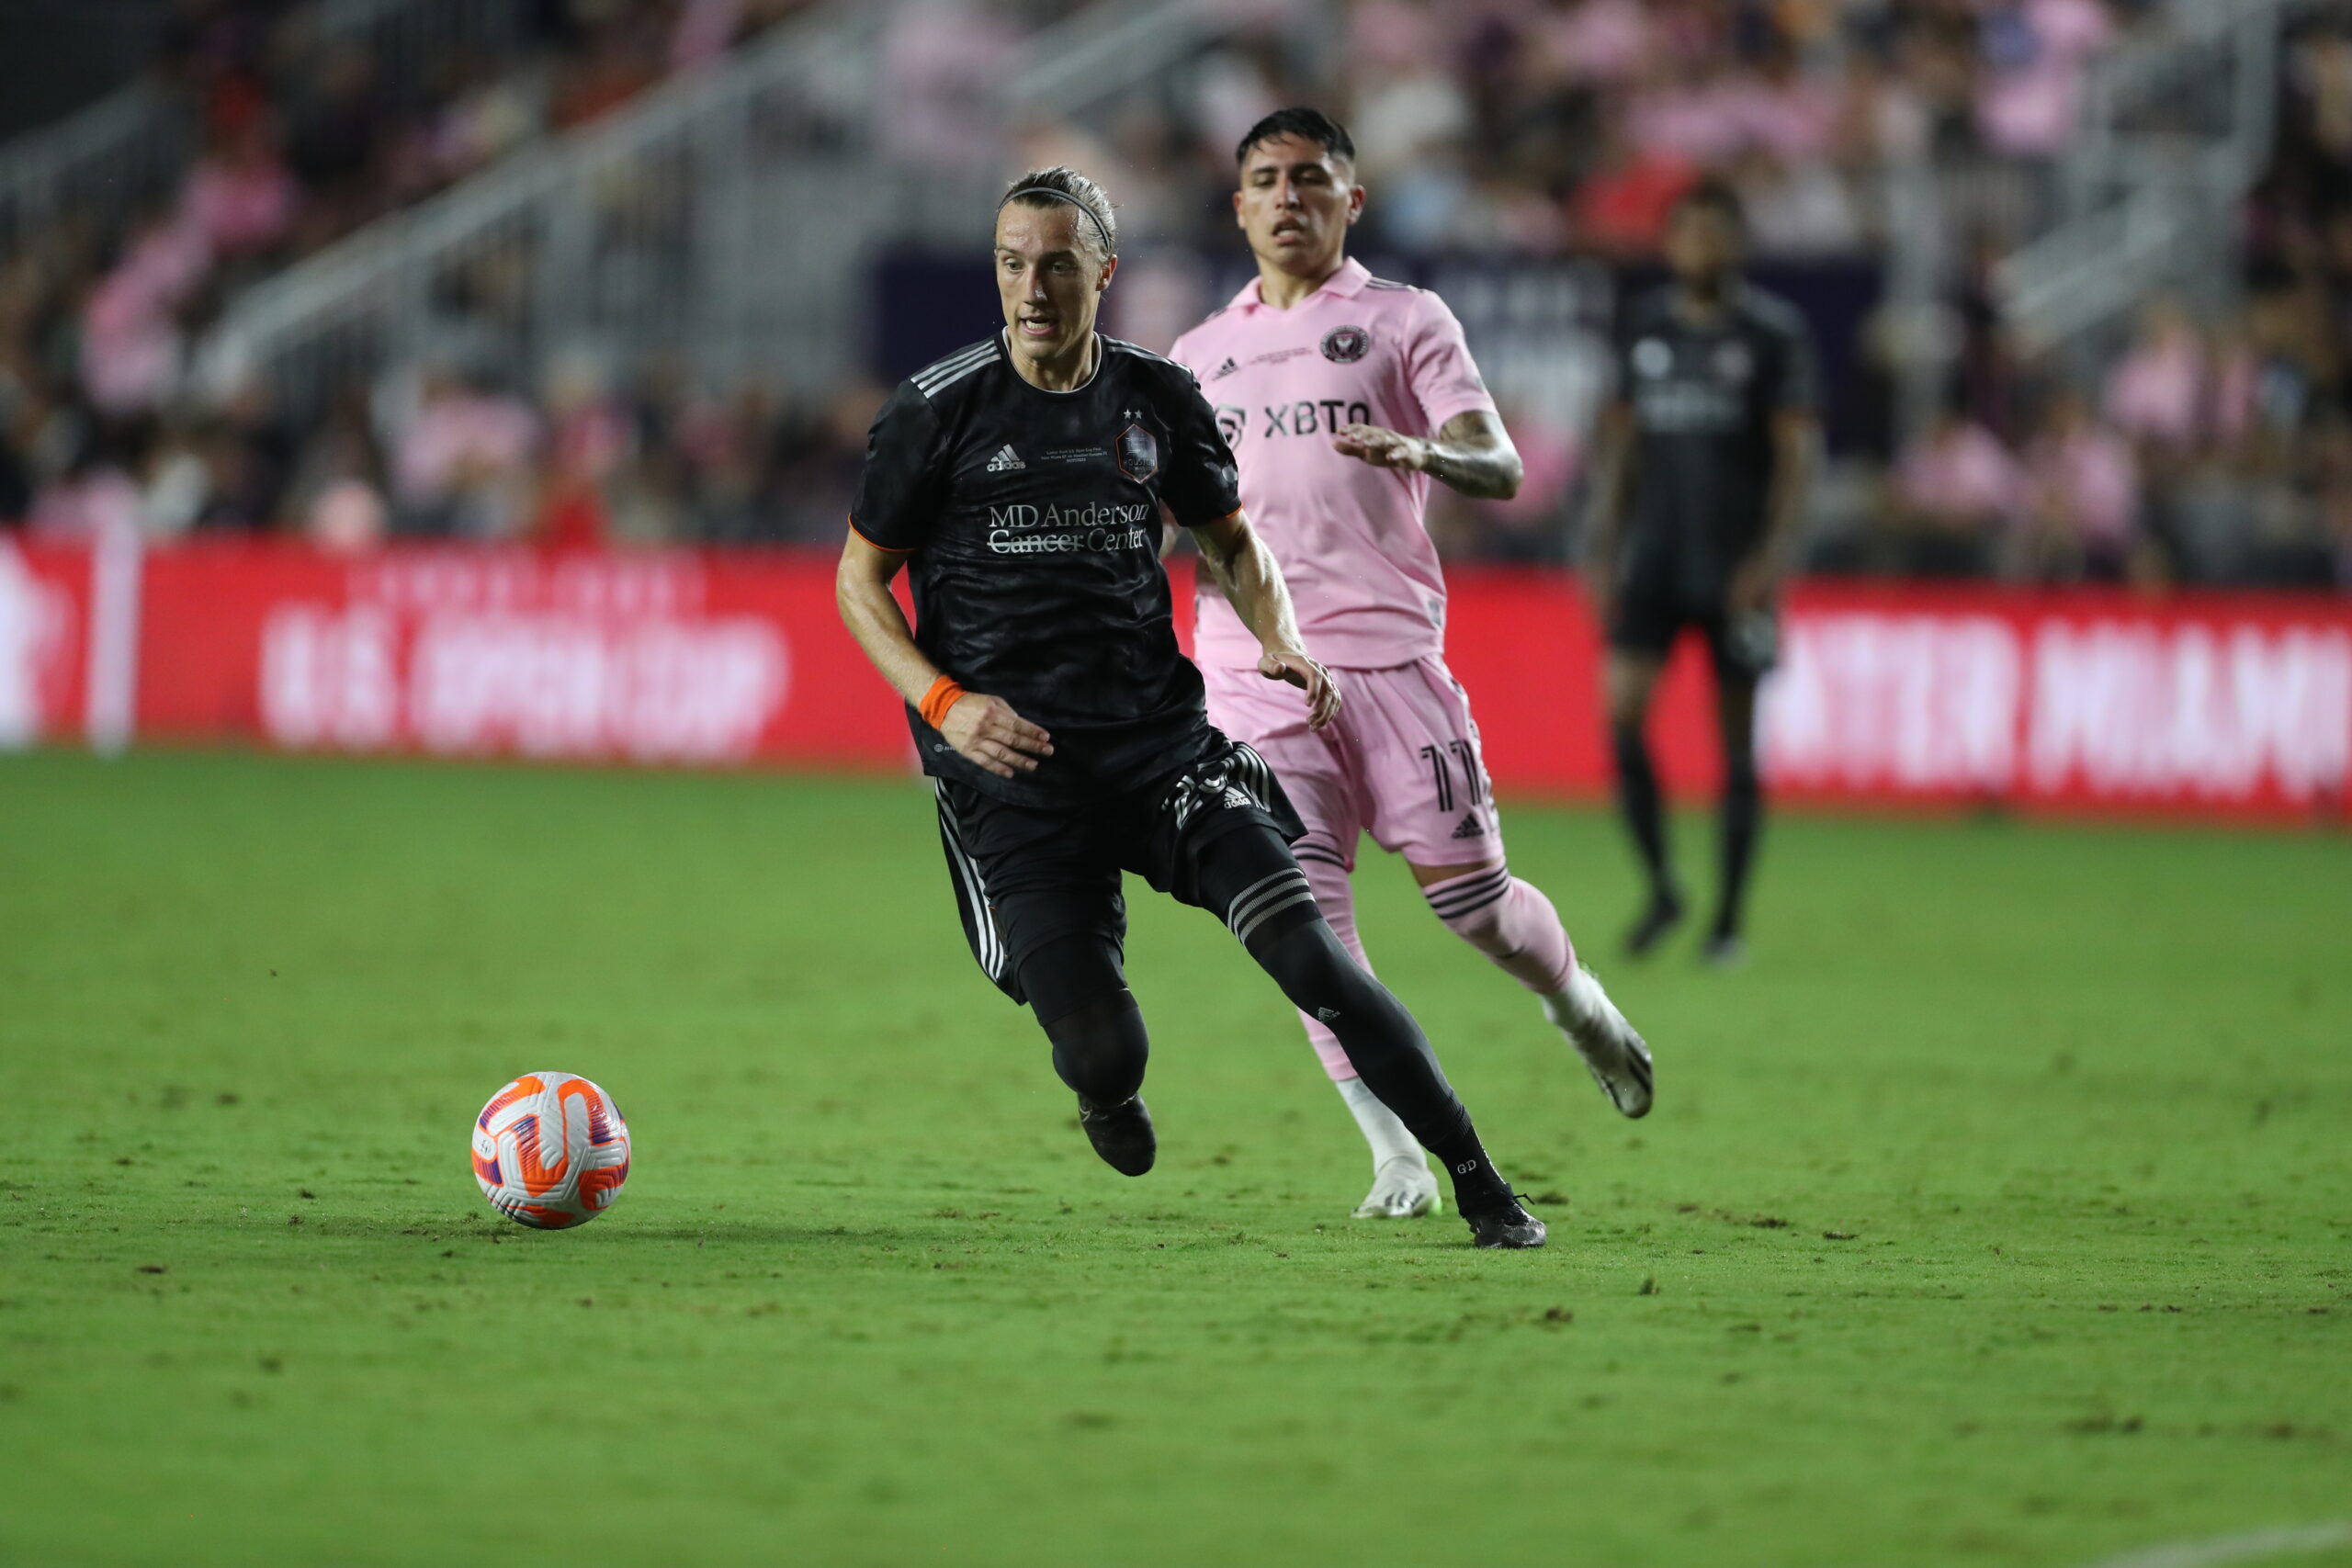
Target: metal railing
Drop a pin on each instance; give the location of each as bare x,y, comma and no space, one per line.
131,148
720,223
1107,48
717,222
2174,132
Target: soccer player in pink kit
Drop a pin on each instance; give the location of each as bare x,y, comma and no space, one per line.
1343,397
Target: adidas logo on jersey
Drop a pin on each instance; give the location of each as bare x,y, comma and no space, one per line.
1004,462
1469,827
1222,371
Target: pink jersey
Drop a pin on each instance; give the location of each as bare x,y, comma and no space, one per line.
1350,536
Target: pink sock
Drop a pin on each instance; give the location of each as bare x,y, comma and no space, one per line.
1511,922
1336,899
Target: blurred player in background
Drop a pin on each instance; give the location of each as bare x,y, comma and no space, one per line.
1023,476
1344,396
1706,454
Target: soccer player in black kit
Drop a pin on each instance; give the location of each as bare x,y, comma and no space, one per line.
1021,479
1705,457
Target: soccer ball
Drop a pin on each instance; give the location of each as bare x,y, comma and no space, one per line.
550,1151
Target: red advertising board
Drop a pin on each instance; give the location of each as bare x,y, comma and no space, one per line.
2235,706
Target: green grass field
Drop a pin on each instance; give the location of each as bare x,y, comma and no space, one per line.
1999,1212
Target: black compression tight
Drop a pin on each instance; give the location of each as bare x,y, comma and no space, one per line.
1078,992
1639,799
1249,877
1385,1045
1743,814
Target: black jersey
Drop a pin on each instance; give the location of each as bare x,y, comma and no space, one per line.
1034,517
1703,400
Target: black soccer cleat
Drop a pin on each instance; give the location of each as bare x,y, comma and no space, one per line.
1664,914
1507,1226
1120,1133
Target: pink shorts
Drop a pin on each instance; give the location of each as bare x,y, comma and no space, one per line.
1400,763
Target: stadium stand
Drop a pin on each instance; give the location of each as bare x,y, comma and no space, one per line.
354,305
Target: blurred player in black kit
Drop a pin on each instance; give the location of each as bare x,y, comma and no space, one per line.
1706,454
1021,479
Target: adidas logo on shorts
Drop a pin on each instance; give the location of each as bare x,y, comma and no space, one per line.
1004,462
1469,827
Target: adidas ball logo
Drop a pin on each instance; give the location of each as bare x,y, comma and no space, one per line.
1006,461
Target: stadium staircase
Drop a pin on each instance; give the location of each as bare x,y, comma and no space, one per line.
2174,132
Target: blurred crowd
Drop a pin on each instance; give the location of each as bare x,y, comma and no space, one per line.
303,137
2216,449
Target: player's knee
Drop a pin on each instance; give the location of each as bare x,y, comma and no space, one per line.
1078,993
1064,974
1102,1048
1334,896
1632,748
1473,905
1628,699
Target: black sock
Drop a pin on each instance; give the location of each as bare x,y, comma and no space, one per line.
1638,799
1388,1049
1743,814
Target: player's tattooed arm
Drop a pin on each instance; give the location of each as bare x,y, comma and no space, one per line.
1473,454
1245,572
982,728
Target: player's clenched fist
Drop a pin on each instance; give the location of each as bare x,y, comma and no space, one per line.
986,730
1322,692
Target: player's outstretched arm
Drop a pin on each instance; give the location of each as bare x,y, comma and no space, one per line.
1473,454
1245,572
982,728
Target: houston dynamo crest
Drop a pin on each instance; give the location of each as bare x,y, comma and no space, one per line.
1139,453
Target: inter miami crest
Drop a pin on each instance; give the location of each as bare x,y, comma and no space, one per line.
1139,453
1345,345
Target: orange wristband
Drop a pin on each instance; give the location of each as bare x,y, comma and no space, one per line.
938,700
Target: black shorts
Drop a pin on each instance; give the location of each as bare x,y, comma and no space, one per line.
1648,622
1025,876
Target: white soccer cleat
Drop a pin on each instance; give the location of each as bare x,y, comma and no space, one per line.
1618,1058
1403,1187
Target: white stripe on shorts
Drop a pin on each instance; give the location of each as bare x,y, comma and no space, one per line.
991,953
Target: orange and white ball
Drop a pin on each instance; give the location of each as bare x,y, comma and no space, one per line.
550,1151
